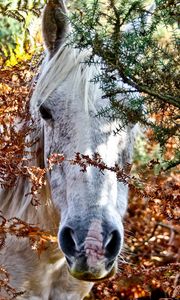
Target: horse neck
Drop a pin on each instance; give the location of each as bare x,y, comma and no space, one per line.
18,200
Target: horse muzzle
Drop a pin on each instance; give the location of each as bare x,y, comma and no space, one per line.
80,270
91,253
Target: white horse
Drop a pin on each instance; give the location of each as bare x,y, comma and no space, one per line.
84,209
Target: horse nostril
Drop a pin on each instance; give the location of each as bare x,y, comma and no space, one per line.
67,241
113,244
45,112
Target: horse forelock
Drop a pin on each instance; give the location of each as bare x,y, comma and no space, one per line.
67,64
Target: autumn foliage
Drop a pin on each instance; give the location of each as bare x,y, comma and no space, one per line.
149,264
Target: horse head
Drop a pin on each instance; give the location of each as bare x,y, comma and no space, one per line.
91,204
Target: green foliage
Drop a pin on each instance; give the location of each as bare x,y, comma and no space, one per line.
20,8
9,28
137,45
16,17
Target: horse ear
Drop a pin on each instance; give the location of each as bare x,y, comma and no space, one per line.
54,24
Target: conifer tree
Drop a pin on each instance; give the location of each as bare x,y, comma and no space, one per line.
137,44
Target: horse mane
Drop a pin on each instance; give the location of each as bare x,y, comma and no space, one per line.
16,201
67,63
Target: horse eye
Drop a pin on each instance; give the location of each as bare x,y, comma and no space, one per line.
45,113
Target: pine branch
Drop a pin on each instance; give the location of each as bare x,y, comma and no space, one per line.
172,164
144,89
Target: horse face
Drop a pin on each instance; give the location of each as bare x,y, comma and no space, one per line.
91,204
91,231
